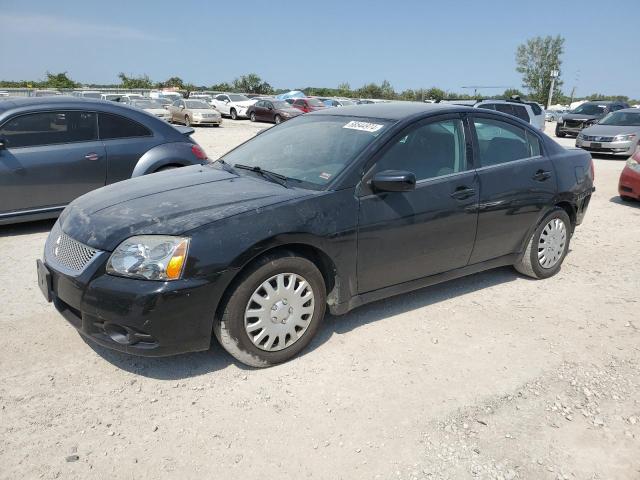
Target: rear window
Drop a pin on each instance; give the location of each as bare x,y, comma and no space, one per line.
49,128
535,107
115,126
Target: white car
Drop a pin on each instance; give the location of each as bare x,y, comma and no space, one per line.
233,104
127,98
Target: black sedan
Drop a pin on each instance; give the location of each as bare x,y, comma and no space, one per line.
54,149
332,209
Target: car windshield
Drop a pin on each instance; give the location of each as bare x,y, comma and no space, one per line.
196,104
312,149
238,98
146,104
589,109
623,119
281,105
314,102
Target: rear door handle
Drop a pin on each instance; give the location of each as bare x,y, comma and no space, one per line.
92,156
461,193
541,176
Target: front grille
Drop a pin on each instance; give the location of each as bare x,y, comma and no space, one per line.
596,138
64,251
573,123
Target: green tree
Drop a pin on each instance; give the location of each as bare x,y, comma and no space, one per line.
173,82
435,94
134,82
512,92
387,90
344,90
59,80
251,83
535,60
221,87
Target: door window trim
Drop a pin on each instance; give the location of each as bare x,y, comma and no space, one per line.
23,114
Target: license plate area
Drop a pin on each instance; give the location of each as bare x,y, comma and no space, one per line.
596,145
44,280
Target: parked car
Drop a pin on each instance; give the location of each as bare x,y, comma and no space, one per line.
516,108
128,98
159,94
332,209
338,102
153,107
112,97
629,184
165,102
233,105
275,111
308,104
194,112
46,93
553,115
202,97
585,115
88,94
55,149
616,134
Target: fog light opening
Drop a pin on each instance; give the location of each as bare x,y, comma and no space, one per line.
119,334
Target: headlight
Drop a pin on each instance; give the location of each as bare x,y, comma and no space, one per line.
580,136
150,257
623,138
633,165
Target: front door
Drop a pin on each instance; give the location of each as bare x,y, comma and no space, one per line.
50,159
403,236
517,184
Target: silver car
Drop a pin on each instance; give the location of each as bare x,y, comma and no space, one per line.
615,134
153,107
194,112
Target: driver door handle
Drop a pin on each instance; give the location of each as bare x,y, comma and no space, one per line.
463,192
92,156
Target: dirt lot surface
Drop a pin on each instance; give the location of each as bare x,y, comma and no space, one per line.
491,376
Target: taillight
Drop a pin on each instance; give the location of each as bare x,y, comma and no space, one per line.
198,152
593,171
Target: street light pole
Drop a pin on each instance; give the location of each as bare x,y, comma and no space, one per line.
554,75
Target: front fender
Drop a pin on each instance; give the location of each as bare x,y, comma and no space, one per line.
175,153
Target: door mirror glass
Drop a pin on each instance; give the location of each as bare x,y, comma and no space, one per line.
393,181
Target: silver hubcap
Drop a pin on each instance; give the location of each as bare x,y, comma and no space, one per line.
551,243
279,312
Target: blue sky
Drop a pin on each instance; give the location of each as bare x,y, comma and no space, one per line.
290,44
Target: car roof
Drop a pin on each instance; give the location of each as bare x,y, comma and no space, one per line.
391,110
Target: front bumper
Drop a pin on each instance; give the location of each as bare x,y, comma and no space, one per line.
206,121
147,318
625,148
572,128
629,184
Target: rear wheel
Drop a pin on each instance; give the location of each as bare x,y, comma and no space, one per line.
547,246
234,114
273,311
559,133
278,119
252,117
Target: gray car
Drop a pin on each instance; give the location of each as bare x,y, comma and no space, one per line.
52,150
615,134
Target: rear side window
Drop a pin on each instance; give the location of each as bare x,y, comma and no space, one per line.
536,108
488,106
115,126
500,142
521,112
49,128
504,108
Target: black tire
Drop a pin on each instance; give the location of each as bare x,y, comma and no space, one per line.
252,117
559,134
278,119
234,114
229,328
187,121
529,264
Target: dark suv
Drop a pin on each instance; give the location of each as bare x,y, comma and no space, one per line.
54,149
584,116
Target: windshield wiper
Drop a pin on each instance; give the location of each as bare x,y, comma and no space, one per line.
269,175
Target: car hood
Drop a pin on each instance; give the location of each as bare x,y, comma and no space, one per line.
610,130
580,116
169,203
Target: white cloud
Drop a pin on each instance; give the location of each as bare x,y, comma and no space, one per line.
60,26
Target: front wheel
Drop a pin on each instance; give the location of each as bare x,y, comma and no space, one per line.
278,119
559,134
547,247
234,114
273,311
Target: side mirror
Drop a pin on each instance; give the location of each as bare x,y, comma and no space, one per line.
181,107
227,101
3,143
393,181
270,108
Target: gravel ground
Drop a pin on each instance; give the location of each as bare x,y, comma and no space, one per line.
494,376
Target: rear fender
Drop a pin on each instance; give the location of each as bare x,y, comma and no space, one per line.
176,153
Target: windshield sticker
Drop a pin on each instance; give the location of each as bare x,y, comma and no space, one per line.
364,126
325,176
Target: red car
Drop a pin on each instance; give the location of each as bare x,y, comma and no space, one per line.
308,104
629,186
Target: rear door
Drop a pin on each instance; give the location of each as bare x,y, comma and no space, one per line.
125,141
51,158
517,184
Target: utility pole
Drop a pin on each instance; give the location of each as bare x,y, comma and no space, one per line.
554,75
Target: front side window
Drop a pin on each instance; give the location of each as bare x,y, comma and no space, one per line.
310,149
49,128
500,142
115,126
428,150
